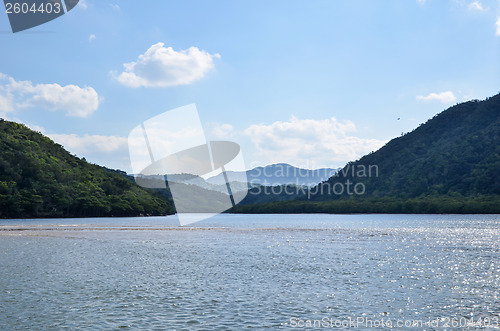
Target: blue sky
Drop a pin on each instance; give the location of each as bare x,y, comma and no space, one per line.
312,83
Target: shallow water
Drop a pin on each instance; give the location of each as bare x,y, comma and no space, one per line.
251,271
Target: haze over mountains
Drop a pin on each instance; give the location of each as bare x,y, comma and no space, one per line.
272,175
278,174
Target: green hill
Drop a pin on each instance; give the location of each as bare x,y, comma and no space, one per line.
450,164
39,178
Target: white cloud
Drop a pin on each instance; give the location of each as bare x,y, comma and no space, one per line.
162,67
82,145
6,97
92,37
109,151
115,6
83,4
221,131
421,2
6,105
443,97
498,26
476,5
327,142
74,100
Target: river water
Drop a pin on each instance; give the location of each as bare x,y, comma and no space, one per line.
232,272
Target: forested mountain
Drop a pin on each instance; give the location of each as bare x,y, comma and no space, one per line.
456,152
449,164
39,178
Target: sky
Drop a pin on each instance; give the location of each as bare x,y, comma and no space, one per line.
312,83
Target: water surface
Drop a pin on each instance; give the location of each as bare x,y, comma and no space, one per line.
249,271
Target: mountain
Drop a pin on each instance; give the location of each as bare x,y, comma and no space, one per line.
456,152
277,174
39,178
450,164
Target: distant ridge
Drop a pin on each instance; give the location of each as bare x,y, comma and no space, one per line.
277,174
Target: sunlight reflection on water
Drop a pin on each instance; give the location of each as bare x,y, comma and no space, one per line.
236,271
